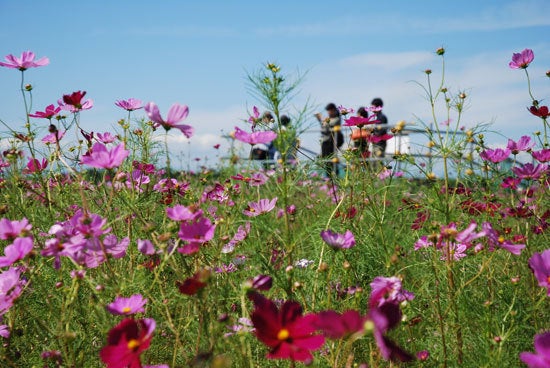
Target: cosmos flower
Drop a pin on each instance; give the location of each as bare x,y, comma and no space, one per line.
74,102
522,60
127,306
16,251
130,104
338,241
126,342
102,158
530,172
176,114
541,112
524,144
256,137
49,112
541,156
262,206
540,265
540,359
495,155
286,331
25,62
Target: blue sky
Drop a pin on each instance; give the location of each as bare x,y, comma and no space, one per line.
197,53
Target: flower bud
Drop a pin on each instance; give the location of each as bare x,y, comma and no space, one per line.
548,73
440,51
28,87
428,71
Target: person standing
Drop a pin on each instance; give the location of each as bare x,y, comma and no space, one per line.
331,138
379,148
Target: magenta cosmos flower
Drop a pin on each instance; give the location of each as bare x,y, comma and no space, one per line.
542,348
16,251
10,230
541,112
524,144
286,331
530,171
522,60
495,155
11,287
542,156
54,137
360,121
540,264
262,137
337,326
127,306
494,240
130,104
262,206
102,158
126,341
338,241
176,114
49,112
25,62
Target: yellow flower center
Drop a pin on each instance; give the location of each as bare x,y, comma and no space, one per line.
133,344
500,239
369,326
283,334
126,310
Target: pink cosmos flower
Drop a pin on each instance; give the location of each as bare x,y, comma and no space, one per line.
176,114
240,235
345,110
524,144
11,288
388,290
262,137
145,247
255,117
49,112
540,265
127,306
25,62
5,331
286,331
102,158
106,137
338,241
16,251
540,359
126,341
182,213
130,104
495,155
74,102
262,206
195,233
35,166
9,230
53,138
530,171
541,156
522,60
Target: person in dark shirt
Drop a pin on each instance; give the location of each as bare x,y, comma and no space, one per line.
331,137
379,148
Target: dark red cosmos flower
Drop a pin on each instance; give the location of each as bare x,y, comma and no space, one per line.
288,333
74,99
193,285
541,112
126,342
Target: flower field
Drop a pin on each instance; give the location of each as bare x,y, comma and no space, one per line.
111,257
